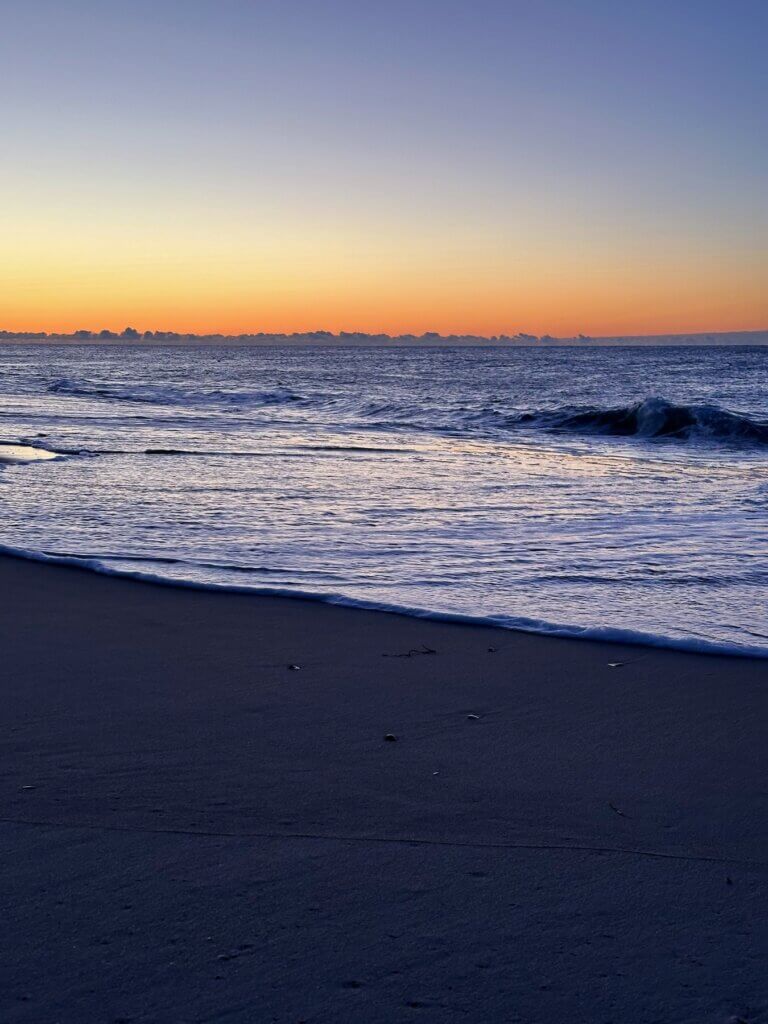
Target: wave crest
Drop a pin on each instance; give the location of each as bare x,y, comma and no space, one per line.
657,418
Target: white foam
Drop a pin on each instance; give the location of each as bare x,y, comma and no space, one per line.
605,634
20,453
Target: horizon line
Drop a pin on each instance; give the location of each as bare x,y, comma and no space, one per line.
131,334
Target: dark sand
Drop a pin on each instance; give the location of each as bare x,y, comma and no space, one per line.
193,832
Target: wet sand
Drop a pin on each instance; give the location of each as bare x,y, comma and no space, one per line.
193,831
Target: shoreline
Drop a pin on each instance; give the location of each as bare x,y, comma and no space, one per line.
518,624
197,788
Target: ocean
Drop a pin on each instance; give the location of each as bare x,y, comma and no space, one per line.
617,492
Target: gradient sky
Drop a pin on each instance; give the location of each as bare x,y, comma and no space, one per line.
240,165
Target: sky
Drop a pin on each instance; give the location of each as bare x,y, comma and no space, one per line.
484,167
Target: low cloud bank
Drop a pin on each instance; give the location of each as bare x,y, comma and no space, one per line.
131,335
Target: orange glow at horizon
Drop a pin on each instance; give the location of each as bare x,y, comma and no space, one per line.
375,168
91,257
375,293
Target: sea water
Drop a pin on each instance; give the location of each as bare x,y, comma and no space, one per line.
593,491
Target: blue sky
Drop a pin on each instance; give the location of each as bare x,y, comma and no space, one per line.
381,165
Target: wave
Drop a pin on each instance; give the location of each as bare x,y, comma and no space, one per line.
657,418
649,420
653,418
605,634
293,451
103,558
161,394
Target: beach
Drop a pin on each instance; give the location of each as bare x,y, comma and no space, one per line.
203,818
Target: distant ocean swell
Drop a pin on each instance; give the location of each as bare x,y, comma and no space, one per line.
152,394
653,418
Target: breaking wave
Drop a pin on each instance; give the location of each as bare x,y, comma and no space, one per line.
651,419
657,418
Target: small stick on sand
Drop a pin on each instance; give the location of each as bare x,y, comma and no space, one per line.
414,650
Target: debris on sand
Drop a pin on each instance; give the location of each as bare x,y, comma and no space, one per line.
412,652
617,810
